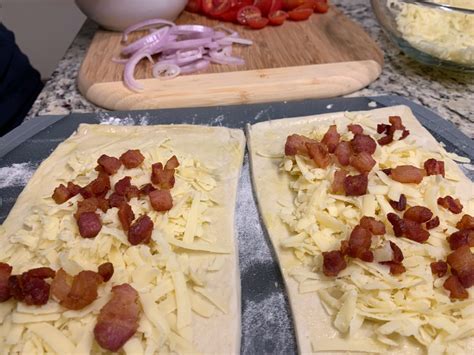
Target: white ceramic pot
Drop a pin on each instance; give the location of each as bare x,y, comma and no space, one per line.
119,14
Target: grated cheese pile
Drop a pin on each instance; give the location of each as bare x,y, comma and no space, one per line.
173,274
442,34
365,298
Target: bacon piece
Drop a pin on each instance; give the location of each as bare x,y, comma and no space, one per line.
454,205
161,200
89,224
418,214
356,185
396,123
5,273
372,225
61,194
462,261
172,163
118,319
333,263
363,143
140,231
455,288
395,268
91,205
146,189
132,158
126,216
164,178
466,222
407,174
344,249
385,140
343,153
73,188
106,270
319,154
460,238
98,187
398,224
121,187
132,192
296,144
439,268
337,186
35,290
362,162
400,205
414,231
397,253
359,244
434,167
432,223
109,165
355,128
15,288
383,128
331,138
115,200
83,290
41,273
387,171
61,285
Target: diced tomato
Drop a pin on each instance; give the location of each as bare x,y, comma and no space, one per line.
292,4
300,14
277,18
276,6
231,14
220,7
320,6
248,12
264,6
257,23
194,6
207,6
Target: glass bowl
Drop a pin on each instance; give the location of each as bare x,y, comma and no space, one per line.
430,34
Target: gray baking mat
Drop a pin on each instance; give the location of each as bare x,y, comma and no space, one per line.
267,326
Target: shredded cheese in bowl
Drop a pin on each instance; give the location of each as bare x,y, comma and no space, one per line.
365,296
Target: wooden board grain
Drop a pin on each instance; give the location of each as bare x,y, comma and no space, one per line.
328,55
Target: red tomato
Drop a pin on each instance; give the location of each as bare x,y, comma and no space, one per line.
264,6
277,18
207,6
220,7
321,6
194,6
300,14
292,4
248,12
231,14
276,6
257,23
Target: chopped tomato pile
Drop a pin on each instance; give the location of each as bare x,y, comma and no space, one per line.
257,14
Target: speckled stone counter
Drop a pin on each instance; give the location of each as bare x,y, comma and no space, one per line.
449,94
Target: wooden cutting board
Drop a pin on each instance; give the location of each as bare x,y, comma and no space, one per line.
329,55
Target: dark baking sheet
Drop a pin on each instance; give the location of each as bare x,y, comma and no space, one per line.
266,321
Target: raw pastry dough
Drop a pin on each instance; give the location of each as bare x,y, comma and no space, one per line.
172,276
313,322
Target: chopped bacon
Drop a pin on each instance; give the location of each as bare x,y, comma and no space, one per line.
387,171
385,140
172,163
331,138
115,200
389,130
462,261
418,214
61,285
98,187
400,205
132,158
15,288
343,153
83,290
109,165
466,222
5,273
454,205
41,273
363,143
126,216
140,231
397,253
356,185
344,247
395,268
455,288
146,189
460,238
319,154
35,291
161,200
132,192
359,244
355,128
396,123
118,319
121,187
407,174
61,194
439,268
372,225
432,223
383,128
296,144
333,263
91,205
73,188
362,162
398,224
106,270
337,186
103,204
434,167
89,224
415,231
164,178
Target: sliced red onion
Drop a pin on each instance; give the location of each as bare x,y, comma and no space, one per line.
144,24
197,66
129,71
154,37
190,43
193,30
223,58
166,71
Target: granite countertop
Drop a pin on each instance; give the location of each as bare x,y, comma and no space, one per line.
449,94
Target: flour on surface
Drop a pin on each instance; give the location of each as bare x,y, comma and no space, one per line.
107,119
372,104
16,174
217,121
329,106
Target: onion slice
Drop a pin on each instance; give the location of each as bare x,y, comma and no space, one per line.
143,24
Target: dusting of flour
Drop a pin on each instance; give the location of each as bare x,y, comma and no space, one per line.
16,174
107,119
